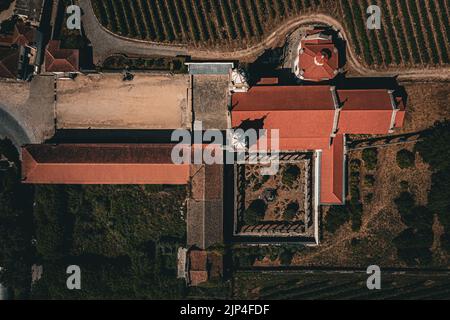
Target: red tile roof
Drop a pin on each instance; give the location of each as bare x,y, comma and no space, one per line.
9,60
304,116
275,98
22,35
61,60
308,111
318,58
332,173
101,164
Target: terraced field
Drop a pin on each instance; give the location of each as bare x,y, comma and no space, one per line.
282,286
414,32
234,23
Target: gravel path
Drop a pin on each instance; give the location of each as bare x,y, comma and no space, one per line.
27,110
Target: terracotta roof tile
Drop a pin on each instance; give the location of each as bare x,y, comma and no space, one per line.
101,164
304,116
60,60
319,59
9,59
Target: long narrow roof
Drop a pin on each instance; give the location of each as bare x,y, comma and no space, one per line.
332,172
276,98
101,164
308,111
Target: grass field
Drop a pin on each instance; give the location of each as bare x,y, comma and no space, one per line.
414,32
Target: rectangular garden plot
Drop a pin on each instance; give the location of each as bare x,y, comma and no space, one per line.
276,206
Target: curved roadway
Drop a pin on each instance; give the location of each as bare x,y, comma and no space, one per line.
106,43
11,129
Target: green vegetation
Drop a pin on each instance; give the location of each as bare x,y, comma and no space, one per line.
414,243
291,211
232,23
370,157
369,180
255,212
322,286
246,256
215,23
290,175
405,159
336,217
435,150
354,206
368,197
119,62
4,4
404,185
407,34
16,251
124,238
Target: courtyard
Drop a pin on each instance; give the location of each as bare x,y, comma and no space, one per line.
279,205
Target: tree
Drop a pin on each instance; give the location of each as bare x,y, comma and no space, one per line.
356,211
4,4
286,256
291,211
336,217
369,180
370,157
16,252
405,203
434,147
445,242
419,218
404,185
290,175
255,212
405,159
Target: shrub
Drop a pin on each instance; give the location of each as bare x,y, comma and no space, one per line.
413,246
356,210
413,256
255,212
369,180
434,147
419,218
290,175
411,238
405,159
291,211
355,165
405,203
286,256
445,242
336,217
368,197
370,157
404,185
